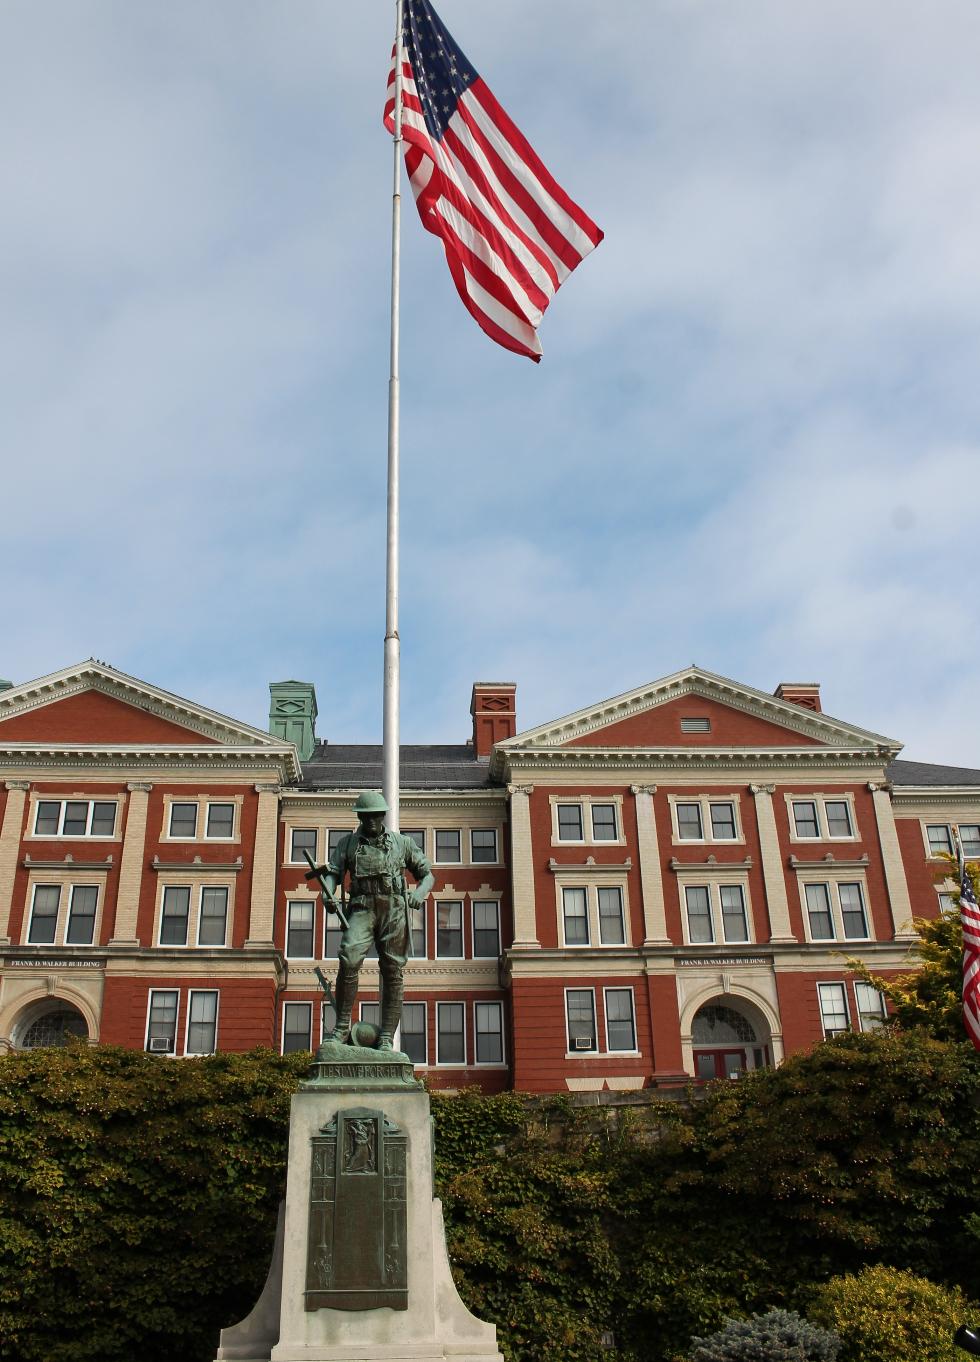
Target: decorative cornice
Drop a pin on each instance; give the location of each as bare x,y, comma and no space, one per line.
67,863
417,800
676,759
710,862
197,865
830,861
590,866
938,795
77,757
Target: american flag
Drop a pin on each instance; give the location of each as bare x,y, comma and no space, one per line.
970,918
511,233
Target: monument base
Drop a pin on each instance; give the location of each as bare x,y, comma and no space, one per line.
360,1224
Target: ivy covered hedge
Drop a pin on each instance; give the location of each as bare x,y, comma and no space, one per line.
138,1199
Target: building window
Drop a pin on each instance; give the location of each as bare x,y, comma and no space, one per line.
870,1007
948,903
836,912
202,1022
413,1040
175,915
705,819
488,1029
417,918
689,827
451,1039
75,818
81,915
332,933
44,915
580,1018
220,821
612,926
620,1019
575,915
604,827
297,1021
716,912
299,929
448,846
328,1019
449,929
833,1008
483,845
161,1025
417,835
970,839
334,838
371,1012
819,818
699,926
940,839
486,929
213,922
183,820
570,823
301,840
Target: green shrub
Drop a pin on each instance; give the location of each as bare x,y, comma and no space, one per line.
779,1336
138,1199
885,1315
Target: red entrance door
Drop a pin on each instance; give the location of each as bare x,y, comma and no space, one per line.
722,1063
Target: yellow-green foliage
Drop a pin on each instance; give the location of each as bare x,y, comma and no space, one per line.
886,1315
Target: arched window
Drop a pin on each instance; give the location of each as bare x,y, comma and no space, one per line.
717,1025
53,1025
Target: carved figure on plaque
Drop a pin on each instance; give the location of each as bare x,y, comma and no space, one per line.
361,1147
374,862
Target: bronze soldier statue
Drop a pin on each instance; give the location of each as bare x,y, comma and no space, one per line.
377,909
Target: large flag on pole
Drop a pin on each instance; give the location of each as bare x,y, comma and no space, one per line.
511,233
970,918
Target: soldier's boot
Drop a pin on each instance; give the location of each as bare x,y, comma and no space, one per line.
391,1011
345,993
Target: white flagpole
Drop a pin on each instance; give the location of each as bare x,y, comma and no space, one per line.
392,654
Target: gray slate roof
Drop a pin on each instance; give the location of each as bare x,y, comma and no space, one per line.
927,773
424,767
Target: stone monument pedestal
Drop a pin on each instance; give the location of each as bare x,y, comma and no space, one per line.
360,1272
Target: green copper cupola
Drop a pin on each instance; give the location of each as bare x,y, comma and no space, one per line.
292,714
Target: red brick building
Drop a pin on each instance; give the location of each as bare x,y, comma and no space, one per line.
662,886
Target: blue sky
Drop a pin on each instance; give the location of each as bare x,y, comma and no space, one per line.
752,443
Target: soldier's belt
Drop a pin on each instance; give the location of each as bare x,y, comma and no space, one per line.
373,884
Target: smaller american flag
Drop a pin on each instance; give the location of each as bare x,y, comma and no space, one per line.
512,235
970,918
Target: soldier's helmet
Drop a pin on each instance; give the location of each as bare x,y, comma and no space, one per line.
369,801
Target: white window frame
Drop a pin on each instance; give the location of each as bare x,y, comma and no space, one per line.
591,882
619,988
702,877
584,804
570,1052
842,986
435,846
833,880
868,1020
203,804
440,900
704,801
87,835
305,899
500,1063
420,1002
968,855
971,819
484,899
495,860
208,992
196,886
820,800
295,1002
451,1064
63,882
150,994
291,829
322,1010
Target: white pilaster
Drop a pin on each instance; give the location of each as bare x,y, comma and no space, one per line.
522,866
651,874
263,904
772,864
124,932
899,903
13,821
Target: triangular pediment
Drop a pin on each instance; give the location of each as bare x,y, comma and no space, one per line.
738,716
96,705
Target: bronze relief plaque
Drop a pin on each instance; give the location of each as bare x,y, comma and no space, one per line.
357,1252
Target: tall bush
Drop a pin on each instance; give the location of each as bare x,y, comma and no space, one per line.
885,1315
779,1336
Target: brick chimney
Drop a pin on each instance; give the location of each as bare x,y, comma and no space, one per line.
806,694
494,709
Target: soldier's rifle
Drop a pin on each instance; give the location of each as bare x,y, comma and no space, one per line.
317,873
